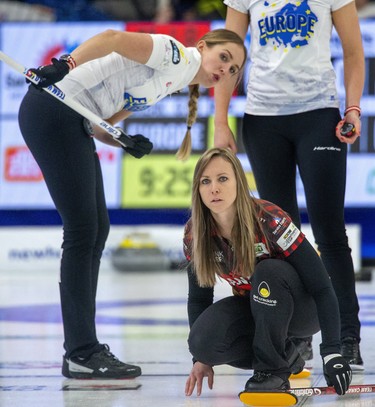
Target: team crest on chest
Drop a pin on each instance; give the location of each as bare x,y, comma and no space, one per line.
293,25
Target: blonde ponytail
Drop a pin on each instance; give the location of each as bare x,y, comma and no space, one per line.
184,151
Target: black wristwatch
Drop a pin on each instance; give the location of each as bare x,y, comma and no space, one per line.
69,60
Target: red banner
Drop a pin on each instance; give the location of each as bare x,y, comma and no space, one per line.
188,33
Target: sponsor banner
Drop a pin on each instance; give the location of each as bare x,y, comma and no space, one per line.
167,134
22,184
21,181
38,248
34,44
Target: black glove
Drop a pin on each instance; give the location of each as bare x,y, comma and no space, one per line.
50,74
337,372
141,144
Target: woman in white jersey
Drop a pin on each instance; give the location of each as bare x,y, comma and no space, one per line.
292,119
113,74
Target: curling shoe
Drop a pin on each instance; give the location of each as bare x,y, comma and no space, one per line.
266,382
99,365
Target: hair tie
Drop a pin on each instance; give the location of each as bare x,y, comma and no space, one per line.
189,127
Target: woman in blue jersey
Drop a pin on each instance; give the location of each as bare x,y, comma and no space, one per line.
113,74
292,119
281,288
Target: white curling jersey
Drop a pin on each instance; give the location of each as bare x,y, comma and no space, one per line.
109,84
291,69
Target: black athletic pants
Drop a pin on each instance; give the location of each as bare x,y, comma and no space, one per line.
71,169
276,145
255,333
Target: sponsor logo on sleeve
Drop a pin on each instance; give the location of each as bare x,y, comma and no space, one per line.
260,249
288,237
277,223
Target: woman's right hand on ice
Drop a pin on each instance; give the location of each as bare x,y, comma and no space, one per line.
198,372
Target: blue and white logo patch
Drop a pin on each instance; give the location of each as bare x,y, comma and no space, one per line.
176,57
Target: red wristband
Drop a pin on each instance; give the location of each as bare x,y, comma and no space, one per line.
350,108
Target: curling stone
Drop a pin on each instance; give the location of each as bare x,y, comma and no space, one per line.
138,252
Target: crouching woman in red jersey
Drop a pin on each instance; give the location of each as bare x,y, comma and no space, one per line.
281,288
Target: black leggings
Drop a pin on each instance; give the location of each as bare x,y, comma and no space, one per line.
71,169
276,145
255,333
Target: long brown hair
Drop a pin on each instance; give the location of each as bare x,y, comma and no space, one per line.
203,224
212,38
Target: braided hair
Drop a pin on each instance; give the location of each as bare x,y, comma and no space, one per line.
184,151
212,38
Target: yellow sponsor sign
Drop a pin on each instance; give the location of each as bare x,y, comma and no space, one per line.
157,181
